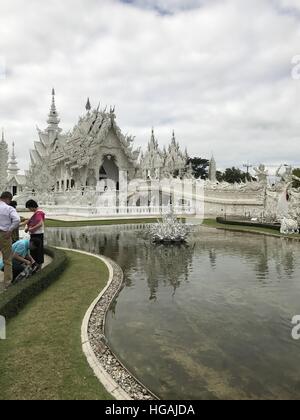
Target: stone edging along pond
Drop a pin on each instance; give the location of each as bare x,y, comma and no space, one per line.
110,371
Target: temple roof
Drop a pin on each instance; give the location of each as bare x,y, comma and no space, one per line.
20,179
175,158
153,158
91,131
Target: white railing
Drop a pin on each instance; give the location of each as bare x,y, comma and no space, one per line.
90,211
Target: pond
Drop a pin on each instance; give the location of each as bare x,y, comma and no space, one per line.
206,320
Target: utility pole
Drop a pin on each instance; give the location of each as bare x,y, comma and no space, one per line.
247,166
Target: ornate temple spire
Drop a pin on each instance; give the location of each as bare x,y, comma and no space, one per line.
13,168
174,146
173,138
153,143
53,120
88,106
212,173
3,161
2,138
186,155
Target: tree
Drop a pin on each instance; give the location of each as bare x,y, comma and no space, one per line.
296,184
200,167
234,175
220,176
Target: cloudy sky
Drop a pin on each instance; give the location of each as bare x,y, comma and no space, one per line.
218,72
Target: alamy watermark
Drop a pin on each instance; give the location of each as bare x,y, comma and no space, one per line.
296,67
151,196
2,328
296,329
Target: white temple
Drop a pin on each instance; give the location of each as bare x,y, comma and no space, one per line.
95,150
94,170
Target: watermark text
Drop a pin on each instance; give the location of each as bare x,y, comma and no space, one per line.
2,328
296,329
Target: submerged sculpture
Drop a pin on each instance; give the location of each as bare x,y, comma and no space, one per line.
170,230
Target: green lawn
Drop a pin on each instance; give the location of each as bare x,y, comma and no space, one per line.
249,229
81,223
42,357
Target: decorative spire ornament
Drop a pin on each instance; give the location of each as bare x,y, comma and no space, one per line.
212,173
88,106
53,120
13,168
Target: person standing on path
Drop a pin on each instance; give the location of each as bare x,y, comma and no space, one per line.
9,221
35,227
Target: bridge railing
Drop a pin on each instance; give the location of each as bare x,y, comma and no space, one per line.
90,211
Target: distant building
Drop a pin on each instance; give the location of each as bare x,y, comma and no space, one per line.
15,181
3,162
10,179
212,173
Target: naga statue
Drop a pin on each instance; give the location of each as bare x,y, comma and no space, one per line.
261,174
287,177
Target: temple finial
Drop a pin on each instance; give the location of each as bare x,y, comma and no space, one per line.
212,171
13,155
13,168
53,119
88,106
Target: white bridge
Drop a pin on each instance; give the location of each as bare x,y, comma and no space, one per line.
129,211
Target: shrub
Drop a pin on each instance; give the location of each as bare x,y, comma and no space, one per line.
249,224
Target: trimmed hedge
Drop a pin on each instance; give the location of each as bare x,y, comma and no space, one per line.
249,224
16,297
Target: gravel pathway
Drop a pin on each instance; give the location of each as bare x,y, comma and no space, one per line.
100,347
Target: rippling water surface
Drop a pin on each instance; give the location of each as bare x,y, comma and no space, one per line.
209,320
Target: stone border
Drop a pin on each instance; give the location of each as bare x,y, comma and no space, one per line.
243,229
110,371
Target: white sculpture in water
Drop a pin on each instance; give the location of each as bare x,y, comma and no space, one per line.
170,230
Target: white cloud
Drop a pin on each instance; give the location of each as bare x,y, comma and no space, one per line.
168,6
219,73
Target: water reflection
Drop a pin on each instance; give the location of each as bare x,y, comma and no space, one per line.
129,246
173,262
209,320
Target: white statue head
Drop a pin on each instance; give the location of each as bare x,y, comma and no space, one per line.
289,170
